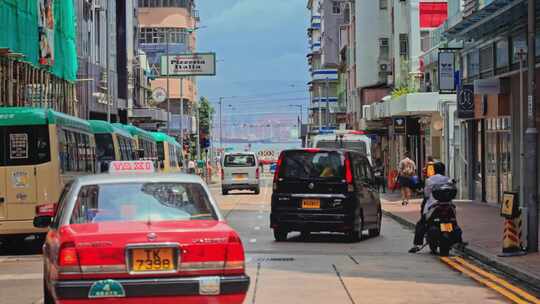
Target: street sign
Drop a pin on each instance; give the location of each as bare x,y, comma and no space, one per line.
466,102
446,71
159,94
193,64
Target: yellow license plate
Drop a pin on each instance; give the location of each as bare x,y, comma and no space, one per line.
152,259
240,176
311,204
447,227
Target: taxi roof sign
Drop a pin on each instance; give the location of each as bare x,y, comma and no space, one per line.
123,167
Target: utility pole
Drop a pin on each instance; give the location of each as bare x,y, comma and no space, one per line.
220,124
168,86
327,104
108,52
522,125
182,115
198,130
531,136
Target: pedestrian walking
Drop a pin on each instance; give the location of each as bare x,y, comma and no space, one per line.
191,167
407,168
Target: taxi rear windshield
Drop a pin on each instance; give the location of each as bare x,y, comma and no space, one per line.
312,165
239,160
142,202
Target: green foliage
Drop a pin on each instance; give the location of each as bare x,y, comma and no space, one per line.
398,92
206,111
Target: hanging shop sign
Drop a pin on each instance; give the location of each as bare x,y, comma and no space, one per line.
466,102
447,83
46,32
400,125
195,64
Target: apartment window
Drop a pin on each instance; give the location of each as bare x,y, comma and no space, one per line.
163,3
404,45
384,49
383,4
336,7
159,35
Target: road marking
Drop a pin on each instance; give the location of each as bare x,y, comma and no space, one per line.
522,293
17,277
509,291
258,216
257,228
253,241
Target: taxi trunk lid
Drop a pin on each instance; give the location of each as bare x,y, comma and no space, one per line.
108,249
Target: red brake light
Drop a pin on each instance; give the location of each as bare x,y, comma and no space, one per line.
222,174
46,210
348,172
257,173
278,166
68,255
235,259
312,150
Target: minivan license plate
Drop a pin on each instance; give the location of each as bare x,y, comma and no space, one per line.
311,204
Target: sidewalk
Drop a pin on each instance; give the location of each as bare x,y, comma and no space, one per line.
482,228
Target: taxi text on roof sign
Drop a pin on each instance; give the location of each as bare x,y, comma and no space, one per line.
117,167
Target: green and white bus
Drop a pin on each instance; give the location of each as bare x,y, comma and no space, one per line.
112,143
40,151
169,153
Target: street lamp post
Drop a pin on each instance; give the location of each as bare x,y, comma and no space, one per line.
531,136
300,119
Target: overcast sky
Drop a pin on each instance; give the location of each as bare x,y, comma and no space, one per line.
262,45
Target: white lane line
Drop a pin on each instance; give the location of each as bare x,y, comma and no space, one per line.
257,228
258,216
253,241
17,277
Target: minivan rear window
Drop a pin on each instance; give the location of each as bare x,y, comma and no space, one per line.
239,160
312,165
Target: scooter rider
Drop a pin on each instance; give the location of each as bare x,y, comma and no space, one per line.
420,229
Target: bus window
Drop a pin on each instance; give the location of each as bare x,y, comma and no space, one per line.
24,145
161,151
104,146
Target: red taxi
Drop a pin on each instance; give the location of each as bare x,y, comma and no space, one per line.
134,238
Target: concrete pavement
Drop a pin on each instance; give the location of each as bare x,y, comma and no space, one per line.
321,269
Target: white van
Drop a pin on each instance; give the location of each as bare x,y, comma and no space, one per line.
345,139
240,171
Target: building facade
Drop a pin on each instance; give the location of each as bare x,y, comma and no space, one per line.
169,26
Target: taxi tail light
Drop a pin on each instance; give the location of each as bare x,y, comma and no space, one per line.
68,257
46,209
348,173
234,258
100,256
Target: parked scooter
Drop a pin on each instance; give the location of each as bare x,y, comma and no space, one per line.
443,231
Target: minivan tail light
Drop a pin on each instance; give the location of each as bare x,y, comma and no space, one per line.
46,210
222,174
257,173
234,258
348,173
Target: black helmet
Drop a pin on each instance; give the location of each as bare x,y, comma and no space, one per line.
444,192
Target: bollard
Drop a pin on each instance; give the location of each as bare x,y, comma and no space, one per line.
512,245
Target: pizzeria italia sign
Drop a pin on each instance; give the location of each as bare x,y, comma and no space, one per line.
193,64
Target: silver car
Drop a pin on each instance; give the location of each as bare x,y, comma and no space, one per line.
240,171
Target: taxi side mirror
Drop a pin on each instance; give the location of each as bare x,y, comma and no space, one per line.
42,221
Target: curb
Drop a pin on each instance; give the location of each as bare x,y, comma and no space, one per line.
519,275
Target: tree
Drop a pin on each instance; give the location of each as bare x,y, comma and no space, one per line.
206,111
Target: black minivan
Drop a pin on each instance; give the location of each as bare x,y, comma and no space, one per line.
318,190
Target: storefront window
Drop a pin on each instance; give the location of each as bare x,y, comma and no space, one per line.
473,63
501,53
